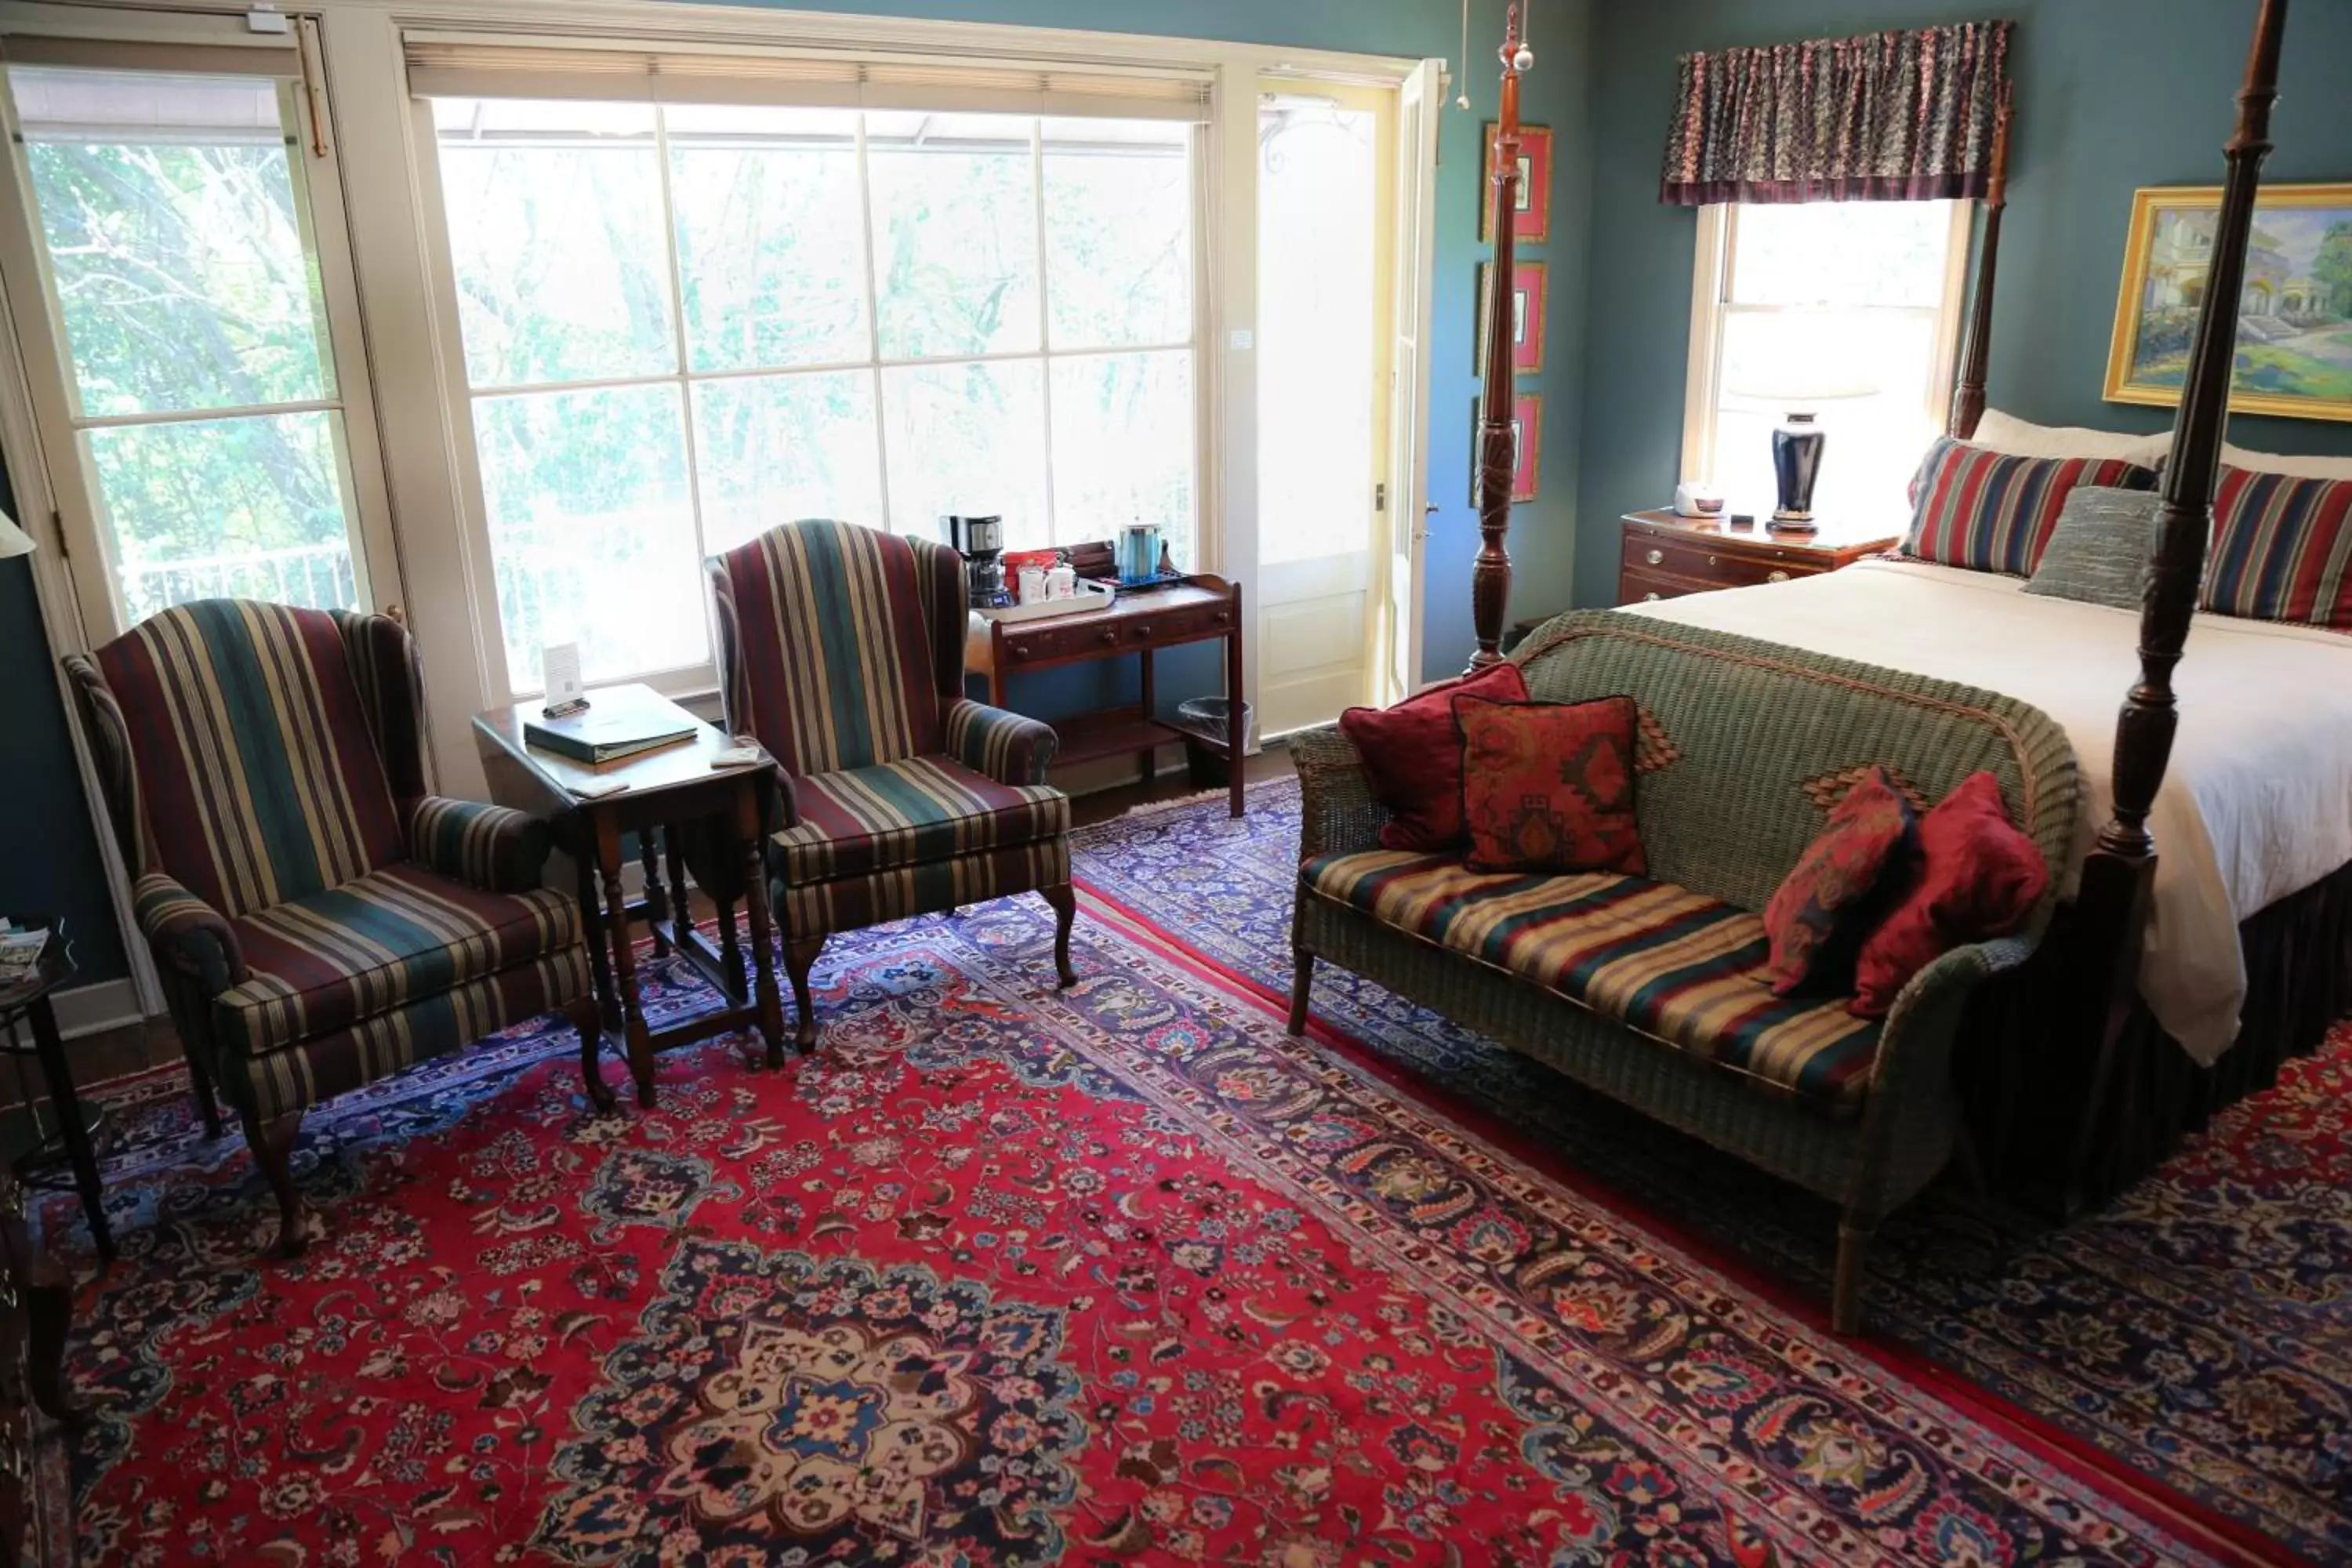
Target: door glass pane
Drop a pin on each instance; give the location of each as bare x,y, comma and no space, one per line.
968,438
591,535
1316,317
555,235
955,233
174,238
1123,445
1118,233
772,448
770,260
250,507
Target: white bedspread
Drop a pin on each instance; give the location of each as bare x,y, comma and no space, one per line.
2257,803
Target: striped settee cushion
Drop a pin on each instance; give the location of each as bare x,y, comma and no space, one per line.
257,771
899,814
827,652
2282,549
1989,512
332,959
1687,970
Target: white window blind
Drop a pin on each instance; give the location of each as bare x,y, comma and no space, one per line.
461,66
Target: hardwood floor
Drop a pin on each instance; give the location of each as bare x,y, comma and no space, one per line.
136,1047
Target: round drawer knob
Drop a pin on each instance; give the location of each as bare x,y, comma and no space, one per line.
1650,595
1656,558
1710,559
1776,577
1109,634
1017,651
1142,632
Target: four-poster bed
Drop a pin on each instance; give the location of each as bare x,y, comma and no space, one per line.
2074,1087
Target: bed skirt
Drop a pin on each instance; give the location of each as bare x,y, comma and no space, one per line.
2027,1064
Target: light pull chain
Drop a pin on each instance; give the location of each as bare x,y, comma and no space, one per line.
1463,101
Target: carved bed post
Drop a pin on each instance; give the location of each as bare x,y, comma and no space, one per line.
2113,904
1490,574
1969,395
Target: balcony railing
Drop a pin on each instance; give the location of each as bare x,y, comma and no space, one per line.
319,577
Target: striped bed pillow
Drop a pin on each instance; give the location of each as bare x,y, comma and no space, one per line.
1990,513
2282,549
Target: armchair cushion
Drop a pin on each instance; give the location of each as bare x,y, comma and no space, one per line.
1688,971
912,813
490,846
1007,747
187,933
399,936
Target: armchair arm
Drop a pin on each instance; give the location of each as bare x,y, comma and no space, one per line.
493,847
188,934
1339,813
1008,748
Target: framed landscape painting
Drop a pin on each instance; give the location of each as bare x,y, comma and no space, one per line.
2294,312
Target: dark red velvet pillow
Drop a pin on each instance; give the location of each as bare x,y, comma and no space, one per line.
1974,875
1829,900
1413,758
1549,786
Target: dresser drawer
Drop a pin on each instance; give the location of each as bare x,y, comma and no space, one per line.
1636,586
1724,566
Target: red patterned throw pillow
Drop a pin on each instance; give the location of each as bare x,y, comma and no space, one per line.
1413,758
1973,876
1549,786
1827,903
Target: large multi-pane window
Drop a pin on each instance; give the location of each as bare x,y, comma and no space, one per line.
683,325
1847,311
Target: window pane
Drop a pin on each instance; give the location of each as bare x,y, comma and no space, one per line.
249,508
772,448
1118,233
768,256
1875,434
1840,253
968,438
555,232
1123,447
592,534
955,235
168,208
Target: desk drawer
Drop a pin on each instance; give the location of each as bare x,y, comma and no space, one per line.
1117,631
1091,637
1183,624
1721,566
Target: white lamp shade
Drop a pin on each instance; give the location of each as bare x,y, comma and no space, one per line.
14,540
1794,359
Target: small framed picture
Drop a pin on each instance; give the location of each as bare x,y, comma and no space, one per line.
1527,446
1533,221
1529,281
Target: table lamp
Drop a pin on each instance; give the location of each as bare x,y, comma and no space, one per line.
14,540
1793,361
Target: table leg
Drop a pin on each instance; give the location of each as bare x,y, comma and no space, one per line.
51,1049
1237,731
749,821
681,912
624,958
591,921
658,912
1150,707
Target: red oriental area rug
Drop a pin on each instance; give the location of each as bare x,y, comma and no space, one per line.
1002,1276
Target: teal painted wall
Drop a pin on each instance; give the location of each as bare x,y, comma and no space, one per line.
2112,95
48,858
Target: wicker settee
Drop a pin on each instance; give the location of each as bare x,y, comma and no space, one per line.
1649,993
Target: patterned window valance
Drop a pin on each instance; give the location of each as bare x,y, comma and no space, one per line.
1888,116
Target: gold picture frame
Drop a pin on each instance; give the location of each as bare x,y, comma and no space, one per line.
2294,335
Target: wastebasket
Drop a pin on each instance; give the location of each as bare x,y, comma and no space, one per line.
1202,719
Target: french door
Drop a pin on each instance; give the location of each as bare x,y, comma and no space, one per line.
178,270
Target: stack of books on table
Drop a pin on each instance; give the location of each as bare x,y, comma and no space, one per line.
619,721
20,954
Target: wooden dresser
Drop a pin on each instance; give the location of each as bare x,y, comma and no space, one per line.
1665,556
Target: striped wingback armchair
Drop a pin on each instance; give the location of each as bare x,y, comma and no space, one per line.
841,651
320,918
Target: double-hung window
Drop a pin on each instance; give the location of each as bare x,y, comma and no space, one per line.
1847,310
686,322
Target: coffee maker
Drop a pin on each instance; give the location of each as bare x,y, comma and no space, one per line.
981,542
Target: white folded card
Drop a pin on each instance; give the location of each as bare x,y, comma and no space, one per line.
596,789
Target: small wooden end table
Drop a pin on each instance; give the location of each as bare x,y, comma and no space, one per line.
669,789
27,1004
1199,609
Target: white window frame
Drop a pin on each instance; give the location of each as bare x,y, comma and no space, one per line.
697,678
1711,305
